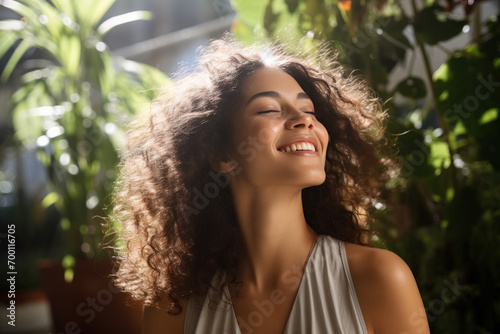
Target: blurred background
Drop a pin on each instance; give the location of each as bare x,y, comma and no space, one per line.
73,73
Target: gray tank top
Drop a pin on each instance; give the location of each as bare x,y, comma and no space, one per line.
326,301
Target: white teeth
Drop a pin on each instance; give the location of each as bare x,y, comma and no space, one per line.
299,147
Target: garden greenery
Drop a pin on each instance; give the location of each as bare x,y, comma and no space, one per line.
442,214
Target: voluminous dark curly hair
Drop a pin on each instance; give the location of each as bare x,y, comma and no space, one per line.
176,214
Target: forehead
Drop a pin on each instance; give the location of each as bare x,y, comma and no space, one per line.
269,79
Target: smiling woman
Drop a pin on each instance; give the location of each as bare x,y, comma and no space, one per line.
245,202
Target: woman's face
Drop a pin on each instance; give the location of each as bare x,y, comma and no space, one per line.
277,138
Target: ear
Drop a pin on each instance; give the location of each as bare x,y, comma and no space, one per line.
227,166
224,165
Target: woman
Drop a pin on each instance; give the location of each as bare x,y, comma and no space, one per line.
246,197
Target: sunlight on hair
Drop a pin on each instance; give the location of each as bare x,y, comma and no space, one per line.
269,59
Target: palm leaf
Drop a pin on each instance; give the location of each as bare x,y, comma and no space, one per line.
14,25
21,9
115,21
95,10
9,38
14,59
65,6
69,54
49,18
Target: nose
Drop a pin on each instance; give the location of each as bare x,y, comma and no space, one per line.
299,120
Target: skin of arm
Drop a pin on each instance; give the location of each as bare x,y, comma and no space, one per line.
387,292
158,321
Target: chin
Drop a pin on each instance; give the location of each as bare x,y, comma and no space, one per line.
315,180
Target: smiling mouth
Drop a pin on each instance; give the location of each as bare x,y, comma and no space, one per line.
301,146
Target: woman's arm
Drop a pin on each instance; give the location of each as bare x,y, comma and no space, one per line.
387,291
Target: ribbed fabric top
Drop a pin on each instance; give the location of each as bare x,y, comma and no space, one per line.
326,301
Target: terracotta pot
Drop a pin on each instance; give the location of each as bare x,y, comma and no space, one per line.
31,312
90,304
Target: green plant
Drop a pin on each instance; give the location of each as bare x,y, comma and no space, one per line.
71,104
445,204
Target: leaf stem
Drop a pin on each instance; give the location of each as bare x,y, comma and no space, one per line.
442,121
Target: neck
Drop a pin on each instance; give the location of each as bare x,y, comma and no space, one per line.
276,238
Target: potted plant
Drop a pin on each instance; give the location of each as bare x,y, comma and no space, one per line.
70,106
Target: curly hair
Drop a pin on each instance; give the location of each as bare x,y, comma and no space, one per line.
176,215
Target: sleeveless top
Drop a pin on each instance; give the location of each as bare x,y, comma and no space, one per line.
326,301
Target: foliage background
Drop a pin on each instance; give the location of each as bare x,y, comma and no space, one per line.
70,101
445,205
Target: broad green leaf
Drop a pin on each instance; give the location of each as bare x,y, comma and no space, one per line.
412,150
412,87
459,129
466,87
442,73
433,25
376,73
392,44
393,31
489,115
439,157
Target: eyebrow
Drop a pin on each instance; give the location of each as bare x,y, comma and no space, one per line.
272,93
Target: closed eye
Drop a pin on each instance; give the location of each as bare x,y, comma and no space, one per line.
310,112
267,111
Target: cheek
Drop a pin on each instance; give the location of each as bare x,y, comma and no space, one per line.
266,133
322,134
261,133
253,139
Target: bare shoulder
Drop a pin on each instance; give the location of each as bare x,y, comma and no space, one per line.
377,263
156,320
386,290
